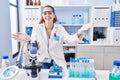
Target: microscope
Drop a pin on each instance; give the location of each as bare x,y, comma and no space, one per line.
29,62
33,65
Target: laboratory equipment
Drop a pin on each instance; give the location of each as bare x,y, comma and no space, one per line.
29,60
55,71
33,65
115,73
5,62
29,30
82,68
73,19
85,40
115,14
9,73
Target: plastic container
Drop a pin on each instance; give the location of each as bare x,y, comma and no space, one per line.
73,19
77,19
81,19
5,62
71,73
115,73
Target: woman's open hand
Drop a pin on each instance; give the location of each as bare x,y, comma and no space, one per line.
19,36
84,27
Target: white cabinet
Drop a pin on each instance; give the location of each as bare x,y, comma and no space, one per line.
31,16
111,54
95,52
101,18
104,55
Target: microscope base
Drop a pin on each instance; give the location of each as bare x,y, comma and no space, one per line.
54,74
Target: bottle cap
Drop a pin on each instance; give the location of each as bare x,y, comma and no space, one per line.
5,57
116,62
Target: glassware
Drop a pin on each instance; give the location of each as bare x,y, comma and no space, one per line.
115,73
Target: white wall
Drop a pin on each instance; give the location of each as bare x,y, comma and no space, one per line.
5,29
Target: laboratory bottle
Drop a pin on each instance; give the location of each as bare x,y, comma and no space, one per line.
31,2
76,19
86,68
35,2
5,62
71,71
70,68
115,73
82,68
39,2
77,73
91,69
73,19
112,21
80,19
27,2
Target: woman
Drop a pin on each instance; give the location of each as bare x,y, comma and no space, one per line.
50,37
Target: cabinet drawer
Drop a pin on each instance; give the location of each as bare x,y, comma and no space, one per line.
108,60
90,49
112,50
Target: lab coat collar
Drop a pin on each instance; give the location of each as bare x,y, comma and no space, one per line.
54,30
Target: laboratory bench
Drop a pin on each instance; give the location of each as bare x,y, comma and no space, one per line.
22,75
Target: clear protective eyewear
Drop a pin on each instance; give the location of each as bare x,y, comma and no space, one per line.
47,12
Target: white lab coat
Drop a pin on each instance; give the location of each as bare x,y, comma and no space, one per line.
51,47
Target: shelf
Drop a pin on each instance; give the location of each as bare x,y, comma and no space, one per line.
69,45
101,26
98,44
32,7
72,6
72,24
65,52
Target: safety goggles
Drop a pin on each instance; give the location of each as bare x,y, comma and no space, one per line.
47,12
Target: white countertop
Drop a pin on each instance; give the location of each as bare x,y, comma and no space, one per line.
95,44
100,74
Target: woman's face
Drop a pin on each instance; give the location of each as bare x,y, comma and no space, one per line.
48,15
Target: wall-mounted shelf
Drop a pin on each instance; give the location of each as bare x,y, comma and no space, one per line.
72,24
32,7
72,6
